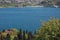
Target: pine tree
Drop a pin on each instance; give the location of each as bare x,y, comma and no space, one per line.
30,36
8,37
23,35
19,35
15,38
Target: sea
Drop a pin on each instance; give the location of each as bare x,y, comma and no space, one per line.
27,18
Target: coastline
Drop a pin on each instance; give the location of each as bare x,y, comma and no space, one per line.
54,6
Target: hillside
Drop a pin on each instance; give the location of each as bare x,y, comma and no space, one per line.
23,3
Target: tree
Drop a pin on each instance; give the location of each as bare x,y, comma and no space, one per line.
30,36
19,35
8,37
15,38
24,35
49,30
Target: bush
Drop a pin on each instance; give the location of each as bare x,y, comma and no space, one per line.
49,30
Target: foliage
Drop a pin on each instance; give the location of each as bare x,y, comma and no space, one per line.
49,30
8,37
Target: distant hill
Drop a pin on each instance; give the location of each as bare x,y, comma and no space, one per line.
22,3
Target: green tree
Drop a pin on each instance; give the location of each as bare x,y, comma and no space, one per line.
24,35
8,37
19,35
15,38
30,36
49,30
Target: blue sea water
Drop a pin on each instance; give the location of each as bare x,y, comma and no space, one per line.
26,18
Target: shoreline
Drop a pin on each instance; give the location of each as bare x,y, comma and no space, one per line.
54,6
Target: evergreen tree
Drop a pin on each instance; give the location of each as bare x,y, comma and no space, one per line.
8,37
23,35
15,38
30,36
19,35
26,32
